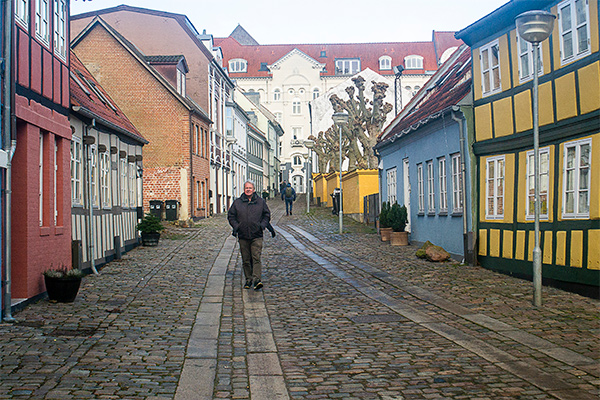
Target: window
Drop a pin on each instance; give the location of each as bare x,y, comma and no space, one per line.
420,188
105,178
315,93
22,11
413,62
60,28
391,185
526,60
55,171
490,68
296,107
76,170
494,192
132,184
124,191
573,25
323,53
94,173
181,83
430,188
278,117
297,132
297,160
277,94
42,23
544,183
238,65
347,66
385,62
41,179
457,194
576,175
443,184
197,134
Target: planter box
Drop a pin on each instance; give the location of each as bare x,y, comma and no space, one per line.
150,239
62,290
385,234
399,238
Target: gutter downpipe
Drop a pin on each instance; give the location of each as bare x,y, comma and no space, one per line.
458,116
91,237
8,124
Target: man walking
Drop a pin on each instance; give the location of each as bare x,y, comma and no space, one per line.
290,196
249,215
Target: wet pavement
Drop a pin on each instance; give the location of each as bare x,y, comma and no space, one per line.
340,317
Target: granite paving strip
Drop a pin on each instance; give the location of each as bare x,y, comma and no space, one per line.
200,365
556,387
566,356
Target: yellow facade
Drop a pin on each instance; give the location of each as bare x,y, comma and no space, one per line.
356,186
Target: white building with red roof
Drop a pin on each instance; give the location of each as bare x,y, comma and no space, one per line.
287,77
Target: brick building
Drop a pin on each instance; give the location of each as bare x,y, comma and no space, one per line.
151,91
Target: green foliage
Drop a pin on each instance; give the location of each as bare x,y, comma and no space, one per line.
63,273
384,215
398,217
150,224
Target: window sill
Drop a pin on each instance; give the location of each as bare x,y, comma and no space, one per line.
431,214
443,213
44,231
421,213
59,230
457,213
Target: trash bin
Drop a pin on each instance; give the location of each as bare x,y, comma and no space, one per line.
172,210
335,196
156,208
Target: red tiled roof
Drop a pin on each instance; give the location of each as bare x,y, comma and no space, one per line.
83,94
368,53
444,89
443,41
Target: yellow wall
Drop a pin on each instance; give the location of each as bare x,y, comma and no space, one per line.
503,117
332,182
523,111
358,184
320,188
545,104
589,87
566,99
483,122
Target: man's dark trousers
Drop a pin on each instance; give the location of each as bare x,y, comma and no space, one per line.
251,250
288,206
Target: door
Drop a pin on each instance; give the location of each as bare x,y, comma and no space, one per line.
406,180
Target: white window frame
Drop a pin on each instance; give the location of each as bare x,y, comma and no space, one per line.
132,175
296,106
76,172
580,186
316,93
181,82
297,161
385,63
279,117
430,188
276,94
55,171
498,187
420,189
124,181
238,65
525,50
347,66
487,67
443,184
574,30
413,62
391,185
457,194
22,12
105,178
94,172
42,20
60,28
544,183
41,178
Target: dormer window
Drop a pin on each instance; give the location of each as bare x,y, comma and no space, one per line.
347,66
238,65
385,63
413,62
180,82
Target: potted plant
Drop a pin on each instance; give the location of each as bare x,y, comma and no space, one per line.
150,228
398,217
385,227
62,284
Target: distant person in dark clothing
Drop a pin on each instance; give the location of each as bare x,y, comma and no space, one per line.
249,215
281,189
290,196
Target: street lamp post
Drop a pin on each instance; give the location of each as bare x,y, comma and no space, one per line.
340,119
535,27
309,144
397,74
230,142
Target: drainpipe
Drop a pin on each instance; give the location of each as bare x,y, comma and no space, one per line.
91,236
458,116
8,124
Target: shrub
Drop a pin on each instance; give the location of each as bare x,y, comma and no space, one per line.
150,224
384,214
398,217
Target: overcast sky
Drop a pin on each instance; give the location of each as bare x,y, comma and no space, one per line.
318,21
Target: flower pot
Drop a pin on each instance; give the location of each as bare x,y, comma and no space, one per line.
150,238
399,238
385,234
62,290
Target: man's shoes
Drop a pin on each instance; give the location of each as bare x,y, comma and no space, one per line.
290,213
258,285
247,284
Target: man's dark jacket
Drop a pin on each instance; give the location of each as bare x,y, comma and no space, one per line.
249,217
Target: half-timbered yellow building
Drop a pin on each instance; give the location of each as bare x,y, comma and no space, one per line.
569,118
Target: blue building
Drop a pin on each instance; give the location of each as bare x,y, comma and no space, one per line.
425,159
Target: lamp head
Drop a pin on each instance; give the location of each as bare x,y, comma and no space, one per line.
340,118
309,144
535,26
398,69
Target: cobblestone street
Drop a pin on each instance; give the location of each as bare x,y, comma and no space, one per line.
340,317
